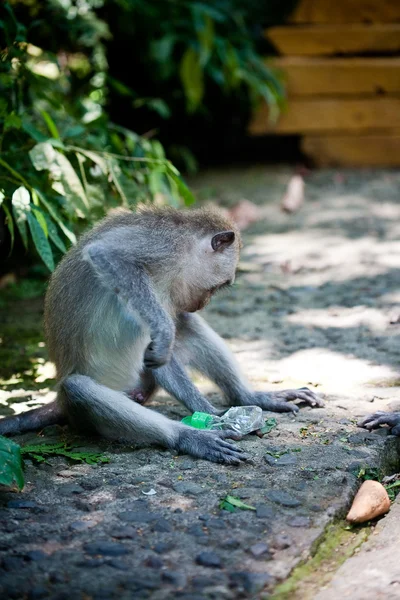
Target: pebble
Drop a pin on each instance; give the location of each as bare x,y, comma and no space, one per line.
196,530
215,523
22,504
174,578
12,563
81,525
230,544
105,548
35,555
263,511
251,583
163,547
162,525
154,562
286,460
124,532
282,541
209,559
118,564
299,521
38,592
188,487
138,516
283,498
259,549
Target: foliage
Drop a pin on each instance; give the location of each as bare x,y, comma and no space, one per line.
40,452
195,64
231,503
62,163
10,464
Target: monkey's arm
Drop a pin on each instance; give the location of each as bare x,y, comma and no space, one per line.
132,284
382,418
206,352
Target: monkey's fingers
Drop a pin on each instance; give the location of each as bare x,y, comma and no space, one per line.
274,402
308,396
210,445
381,418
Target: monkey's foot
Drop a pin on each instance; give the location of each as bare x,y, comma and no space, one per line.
138,396
210,445
382,418
278,401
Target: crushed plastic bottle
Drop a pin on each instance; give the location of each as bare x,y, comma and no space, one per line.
243,419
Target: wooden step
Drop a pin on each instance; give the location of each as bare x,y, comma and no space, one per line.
330,115
308,40
346,11
335,76
373,150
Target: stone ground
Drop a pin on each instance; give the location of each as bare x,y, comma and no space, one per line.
317,303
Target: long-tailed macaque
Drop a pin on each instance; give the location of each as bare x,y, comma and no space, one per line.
121,322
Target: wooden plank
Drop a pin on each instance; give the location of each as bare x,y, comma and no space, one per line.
346,11
375,150
334,76
308,40
330,114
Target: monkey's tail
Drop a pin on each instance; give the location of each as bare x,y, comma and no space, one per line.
37,418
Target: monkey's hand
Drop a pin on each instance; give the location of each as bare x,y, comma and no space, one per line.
210,445
157,354
278,401
382,418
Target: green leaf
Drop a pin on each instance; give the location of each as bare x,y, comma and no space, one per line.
206,36
191,74
41,220
40,452
182,189
52,211
235,503
21,206
115,173
43,156
35,134
12,121
269,425
53,234
50,124
41,242
10,464
2,196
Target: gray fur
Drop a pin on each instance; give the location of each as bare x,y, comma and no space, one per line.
119,323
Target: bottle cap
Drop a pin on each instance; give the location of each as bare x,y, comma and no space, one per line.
201,420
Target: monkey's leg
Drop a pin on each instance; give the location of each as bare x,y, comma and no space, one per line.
173,378
203,349
116,417
37,418
382,418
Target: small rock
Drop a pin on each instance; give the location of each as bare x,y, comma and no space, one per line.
12,563
105,548
82,525
209,559
215,523
175,578
118,564
196,530
282,541
371,501
22,504
138,516
259,549
162,525
283,498
286,460
264,511
38,592
251,583
189,488
299,521
230,544
124,532
154,562
201,582
91,563
163,547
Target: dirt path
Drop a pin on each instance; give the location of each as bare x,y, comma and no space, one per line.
316,303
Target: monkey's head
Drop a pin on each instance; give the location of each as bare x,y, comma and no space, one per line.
209,263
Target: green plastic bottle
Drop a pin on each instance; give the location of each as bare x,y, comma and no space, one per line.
199,420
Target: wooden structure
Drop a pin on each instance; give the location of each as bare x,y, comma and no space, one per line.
341,63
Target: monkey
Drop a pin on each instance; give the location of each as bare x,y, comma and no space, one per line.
121,322
373,421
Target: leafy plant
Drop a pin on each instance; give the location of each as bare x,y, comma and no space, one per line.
62,163
231,503
10,464
40,453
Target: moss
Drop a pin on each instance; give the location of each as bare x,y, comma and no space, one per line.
338,544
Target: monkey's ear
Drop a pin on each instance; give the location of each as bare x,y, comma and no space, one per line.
222,240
